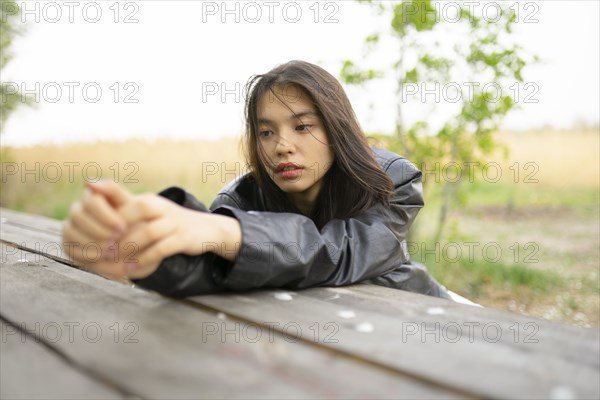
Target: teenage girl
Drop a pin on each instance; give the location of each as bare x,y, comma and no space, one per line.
319,207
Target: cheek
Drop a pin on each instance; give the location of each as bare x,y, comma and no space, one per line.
323,165
264,152
322,148
328,159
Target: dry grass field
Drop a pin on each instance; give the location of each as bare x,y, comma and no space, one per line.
46,179
565,158
543,213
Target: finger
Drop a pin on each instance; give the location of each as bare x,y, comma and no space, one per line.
98,208
78,246
87,255
84,222
70,240
84,230
144,235
114,193
151,257
143,208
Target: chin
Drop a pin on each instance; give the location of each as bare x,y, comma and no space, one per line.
292,189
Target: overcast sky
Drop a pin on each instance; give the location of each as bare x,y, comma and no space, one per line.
176,68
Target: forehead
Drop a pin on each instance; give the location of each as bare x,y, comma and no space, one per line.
284,101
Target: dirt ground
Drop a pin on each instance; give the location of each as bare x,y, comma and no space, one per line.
567,242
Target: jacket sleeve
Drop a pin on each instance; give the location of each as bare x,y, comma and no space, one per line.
287,250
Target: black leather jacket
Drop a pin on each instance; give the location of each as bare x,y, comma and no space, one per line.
286,250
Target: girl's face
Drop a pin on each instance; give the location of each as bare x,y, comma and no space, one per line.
295,148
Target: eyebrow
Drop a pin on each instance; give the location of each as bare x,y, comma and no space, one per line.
291,117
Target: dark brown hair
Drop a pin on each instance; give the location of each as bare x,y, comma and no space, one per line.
355,181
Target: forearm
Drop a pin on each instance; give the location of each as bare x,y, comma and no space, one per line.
205,232
202,231
208,240
228,233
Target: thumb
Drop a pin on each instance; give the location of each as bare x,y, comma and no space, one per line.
115,194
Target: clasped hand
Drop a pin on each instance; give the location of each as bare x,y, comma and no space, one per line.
119,235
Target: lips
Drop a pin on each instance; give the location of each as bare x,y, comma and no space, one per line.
288,170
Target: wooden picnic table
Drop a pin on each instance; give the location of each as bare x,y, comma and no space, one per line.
68,333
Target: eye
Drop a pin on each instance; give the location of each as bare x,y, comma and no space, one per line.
303,128
264,134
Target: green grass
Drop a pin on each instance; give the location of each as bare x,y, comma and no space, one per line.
470,277
506,194
559,283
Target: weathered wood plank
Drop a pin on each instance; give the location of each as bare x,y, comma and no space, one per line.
28,370
181,351
14,229
581,345
430,338
39,222
31,222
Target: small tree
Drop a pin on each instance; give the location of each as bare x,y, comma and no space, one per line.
9,27
444,50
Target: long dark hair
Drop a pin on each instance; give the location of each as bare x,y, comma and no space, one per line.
355,182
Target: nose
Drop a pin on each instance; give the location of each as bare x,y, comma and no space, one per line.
284,146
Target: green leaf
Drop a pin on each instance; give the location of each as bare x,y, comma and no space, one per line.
372,39
352,75
418,14
412,76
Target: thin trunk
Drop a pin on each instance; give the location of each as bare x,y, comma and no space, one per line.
400,133
450,188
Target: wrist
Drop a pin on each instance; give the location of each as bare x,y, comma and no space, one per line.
229,236
206,232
